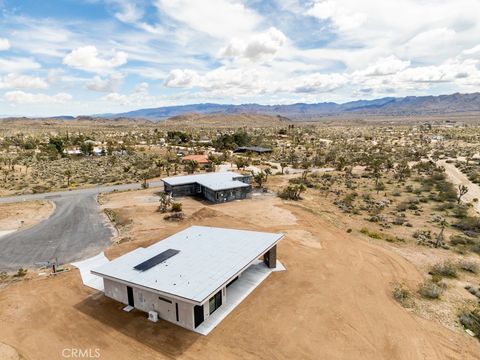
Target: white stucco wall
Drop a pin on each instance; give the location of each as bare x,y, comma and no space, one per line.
147,301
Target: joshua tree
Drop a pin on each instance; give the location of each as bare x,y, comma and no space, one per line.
462,190
165,202
260,178
191,166
267,172
68,175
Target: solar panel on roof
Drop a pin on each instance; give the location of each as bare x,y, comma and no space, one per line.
157,259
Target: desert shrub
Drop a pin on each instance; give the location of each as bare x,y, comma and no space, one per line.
364,230
430,290
444,269
470,319
403,206
21,272
460,211
292,192
176,207
118,218
396,193
461,240
175,216
402,295
371,234
475,248
469,266
469,223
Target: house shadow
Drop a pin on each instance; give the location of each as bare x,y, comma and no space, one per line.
163,337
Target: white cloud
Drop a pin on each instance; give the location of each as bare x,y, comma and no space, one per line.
8,65
20,97
4,44
430,44
386,66
473,50
342,17
86,58
129,12
140,97
259,46
223,19
18,81
179,78
318,83
110,84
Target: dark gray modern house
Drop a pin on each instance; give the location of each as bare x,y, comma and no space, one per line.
253,149
216,187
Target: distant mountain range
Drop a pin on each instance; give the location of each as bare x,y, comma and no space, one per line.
388,106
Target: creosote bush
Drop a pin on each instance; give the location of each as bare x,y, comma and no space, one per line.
470,319
430,290
402,295
444,269
468,266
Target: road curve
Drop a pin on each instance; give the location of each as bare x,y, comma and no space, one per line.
458,178
76,230
88,191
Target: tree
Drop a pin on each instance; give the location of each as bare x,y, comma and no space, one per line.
86,148
268,172
58,144
440,237
191,166
283,165
462,190
241,163
260,178
68,175
165,202
292,192
402,171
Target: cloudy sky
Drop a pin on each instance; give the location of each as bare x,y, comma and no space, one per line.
67,57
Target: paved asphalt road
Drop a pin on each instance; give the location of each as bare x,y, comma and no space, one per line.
76,230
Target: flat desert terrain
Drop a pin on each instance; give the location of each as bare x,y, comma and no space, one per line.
333,302
18,216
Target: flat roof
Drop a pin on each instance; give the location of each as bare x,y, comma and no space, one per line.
252,148
208,258
215,181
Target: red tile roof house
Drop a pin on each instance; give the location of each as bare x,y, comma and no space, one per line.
202,160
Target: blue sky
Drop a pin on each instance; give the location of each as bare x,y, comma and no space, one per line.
66,57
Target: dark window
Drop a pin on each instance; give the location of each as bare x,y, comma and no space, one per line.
166,300
176,310
231,282
130,296
198,314
215,302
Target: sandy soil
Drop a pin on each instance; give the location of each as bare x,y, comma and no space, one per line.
333,302
22,215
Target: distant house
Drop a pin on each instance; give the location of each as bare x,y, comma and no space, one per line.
202,160
255,149
192,278
216,187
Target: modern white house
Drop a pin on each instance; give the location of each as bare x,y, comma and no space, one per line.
188,278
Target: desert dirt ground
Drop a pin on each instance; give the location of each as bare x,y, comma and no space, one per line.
23,215
333,302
